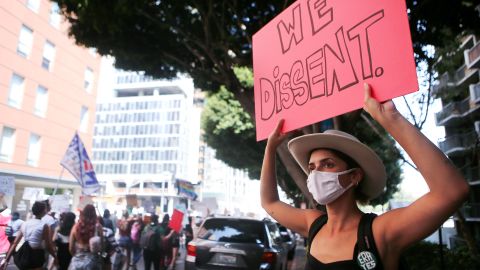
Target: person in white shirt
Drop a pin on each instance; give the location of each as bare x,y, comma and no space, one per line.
35,233
13,227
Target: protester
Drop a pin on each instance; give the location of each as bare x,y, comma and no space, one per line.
124,241
188,231
341,171
13,227
61,238
35,233
135,233
152,236
109,245
49,218
175,244
166,257
86,241
107,221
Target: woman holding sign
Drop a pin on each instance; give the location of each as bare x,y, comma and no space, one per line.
342,171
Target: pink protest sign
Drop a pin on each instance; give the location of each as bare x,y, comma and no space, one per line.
310,62
176,221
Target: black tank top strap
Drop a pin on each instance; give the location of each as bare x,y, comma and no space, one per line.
368,256
317,224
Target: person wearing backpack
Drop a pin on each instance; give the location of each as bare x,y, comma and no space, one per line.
36,234
13,227
135,233
151,242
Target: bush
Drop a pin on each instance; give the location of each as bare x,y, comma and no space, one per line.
426,256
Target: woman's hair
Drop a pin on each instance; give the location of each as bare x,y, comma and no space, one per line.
360,197
154,219
38,208
86,224
67,220
165,220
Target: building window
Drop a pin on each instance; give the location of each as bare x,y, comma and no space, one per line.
48,55
25,41
15,95
34,146
84,119
88,83
41,101
34,5
55,15
7,144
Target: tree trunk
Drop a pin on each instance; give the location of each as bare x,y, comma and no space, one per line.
467,235
294,170
245,97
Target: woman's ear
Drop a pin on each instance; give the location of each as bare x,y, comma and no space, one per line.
357,176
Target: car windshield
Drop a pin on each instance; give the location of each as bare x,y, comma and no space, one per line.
233,231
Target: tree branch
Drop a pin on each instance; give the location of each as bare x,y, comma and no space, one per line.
395,149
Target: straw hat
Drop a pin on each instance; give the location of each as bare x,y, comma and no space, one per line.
374,181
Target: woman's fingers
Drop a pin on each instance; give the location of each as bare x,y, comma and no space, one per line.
278,128
369,103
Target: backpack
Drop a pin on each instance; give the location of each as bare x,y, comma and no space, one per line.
135,232
149,239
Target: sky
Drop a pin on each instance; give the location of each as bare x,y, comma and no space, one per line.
413,185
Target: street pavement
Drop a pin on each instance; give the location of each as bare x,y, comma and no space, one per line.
298,262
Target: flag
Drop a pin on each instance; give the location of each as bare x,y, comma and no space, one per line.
77,162
186,188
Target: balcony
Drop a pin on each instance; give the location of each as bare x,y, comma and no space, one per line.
472,56
458,144
471,211
472,174
444,84
475,93
453,113
465,76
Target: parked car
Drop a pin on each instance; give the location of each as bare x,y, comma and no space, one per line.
289,238
237,243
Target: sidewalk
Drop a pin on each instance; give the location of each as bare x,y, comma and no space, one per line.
179,265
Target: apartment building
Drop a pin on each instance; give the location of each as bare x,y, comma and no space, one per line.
48,92
459,91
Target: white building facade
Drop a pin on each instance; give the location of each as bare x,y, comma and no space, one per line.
143,140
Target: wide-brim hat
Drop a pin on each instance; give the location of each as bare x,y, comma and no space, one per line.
374,181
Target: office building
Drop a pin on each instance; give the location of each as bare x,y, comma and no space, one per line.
143,140
48,92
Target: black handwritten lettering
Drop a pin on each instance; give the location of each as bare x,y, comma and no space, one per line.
360,32
319,19
267,95
316,73
298,84
327,69
291,32
339,62
286,94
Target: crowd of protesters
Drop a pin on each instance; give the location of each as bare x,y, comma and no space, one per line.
93,242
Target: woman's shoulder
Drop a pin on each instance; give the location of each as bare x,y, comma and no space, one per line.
311,215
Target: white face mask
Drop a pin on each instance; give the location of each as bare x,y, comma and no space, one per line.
325,186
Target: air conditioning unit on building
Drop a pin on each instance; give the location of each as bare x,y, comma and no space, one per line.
477,127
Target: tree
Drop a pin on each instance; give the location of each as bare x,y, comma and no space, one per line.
208,39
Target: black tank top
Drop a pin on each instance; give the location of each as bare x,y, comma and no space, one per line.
365,224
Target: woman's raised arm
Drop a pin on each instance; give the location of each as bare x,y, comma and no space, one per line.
293,218
447,187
